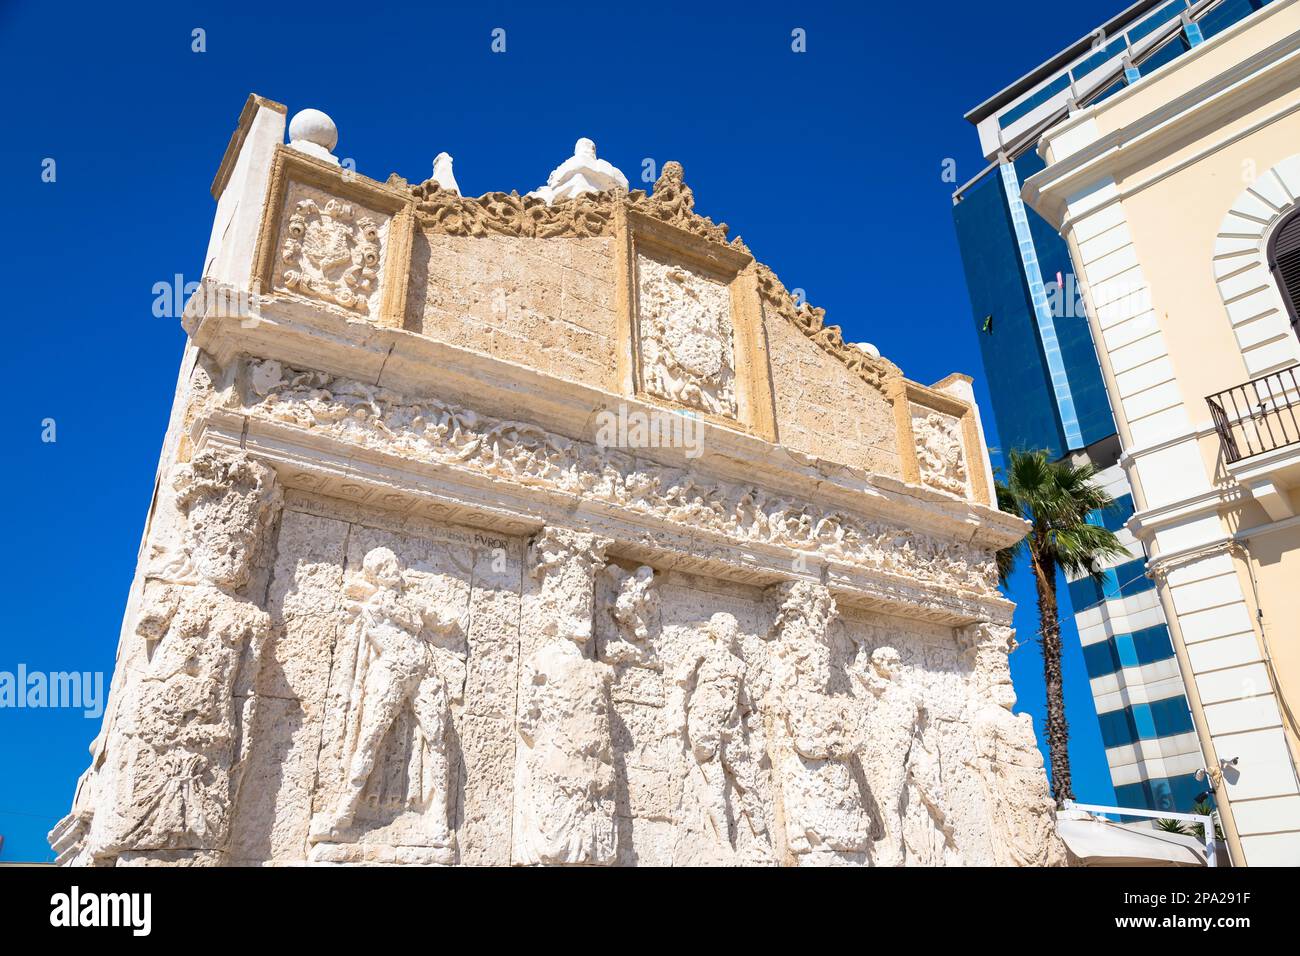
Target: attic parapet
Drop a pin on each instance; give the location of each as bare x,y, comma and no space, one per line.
285,209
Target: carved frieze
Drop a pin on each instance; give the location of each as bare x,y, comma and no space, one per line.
525,454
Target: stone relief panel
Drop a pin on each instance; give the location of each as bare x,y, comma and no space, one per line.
548,305
330,249
430,430
168,765
564,773
392,677
432,694
685,335
402,659
940,450
818,735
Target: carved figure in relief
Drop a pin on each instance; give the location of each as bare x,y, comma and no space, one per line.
928,836
564,765
817,736
330,253
395,668
1021,813
893,709
635,611
709,709
183,729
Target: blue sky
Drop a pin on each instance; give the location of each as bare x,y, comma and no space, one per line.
828,163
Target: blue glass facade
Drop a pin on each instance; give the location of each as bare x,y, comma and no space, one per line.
1050,393
1162,793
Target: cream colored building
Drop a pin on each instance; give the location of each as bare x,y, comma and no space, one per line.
1180,199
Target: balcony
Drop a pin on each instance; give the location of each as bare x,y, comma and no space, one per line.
1258,424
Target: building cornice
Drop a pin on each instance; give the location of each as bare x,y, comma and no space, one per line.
1206,106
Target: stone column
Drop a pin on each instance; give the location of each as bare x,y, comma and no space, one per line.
564,771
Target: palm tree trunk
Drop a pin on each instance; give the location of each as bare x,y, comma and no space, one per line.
1058,733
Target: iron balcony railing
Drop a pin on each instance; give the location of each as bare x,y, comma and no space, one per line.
1258,416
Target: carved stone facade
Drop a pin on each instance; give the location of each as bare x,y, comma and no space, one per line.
398,606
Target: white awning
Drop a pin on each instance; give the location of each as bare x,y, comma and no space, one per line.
1096,841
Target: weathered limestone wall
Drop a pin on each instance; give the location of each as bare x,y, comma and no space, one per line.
822,407
545,304
403,600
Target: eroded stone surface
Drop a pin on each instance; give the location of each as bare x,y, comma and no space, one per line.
374,624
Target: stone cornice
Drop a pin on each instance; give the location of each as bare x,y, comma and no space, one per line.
304,335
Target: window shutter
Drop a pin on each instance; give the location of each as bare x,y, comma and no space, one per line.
1284,262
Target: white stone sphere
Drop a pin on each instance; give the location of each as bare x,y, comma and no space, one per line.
313,126
869,349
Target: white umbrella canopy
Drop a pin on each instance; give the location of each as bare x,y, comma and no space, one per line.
1096,841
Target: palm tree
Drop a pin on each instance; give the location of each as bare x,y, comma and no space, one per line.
1056,498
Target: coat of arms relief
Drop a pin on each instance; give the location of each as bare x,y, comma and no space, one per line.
940,450
331,251
687,339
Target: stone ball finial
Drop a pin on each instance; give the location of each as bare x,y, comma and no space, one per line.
315,127
584,148
869,349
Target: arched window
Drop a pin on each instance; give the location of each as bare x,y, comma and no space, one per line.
1284,263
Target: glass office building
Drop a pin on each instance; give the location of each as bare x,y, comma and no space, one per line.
1046,382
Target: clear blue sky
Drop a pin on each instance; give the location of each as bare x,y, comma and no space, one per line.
828,163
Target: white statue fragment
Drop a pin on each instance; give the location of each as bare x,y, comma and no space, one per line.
817,736
442,174
635,610
580,173
396,667
709,710
564,772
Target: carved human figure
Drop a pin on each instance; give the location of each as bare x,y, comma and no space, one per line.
709,710
635,612
892,712
1021,813
564,768
182,732
396,668
817,736
928,836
